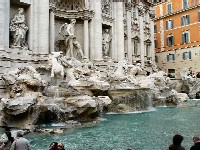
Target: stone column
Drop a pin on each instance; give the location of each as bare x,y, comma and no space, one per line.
119,30
86,38
52,32
86,29
152,48
96,31
4,23
141,26
33,29
114,34
128,19
43,27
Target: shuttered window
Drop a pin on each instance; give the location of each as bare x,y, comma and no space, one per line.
170,57
185,20
185,37
170,40
169,24
187,55
185,4
199,16
169,8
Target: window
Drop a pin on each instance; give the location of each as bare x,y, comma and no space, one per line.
170,40
187,55
133,12
171,73
185,20
156,58
156,43
185,37
147,50
170,57
147,47
199,16
185,4
169,24
135,46
169,8
135,42
155,28
145,17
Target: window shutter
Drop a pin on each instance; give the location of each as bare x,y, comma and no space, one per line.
173,56
187,37
166,25
190,55
155,43
172,40
183,38
167,57
199,16
188,19
155,28
167,41
184,55
172,24
170,5
182,21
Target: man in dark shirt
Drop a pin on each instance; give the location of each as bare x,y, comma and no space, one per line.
196,145
177,140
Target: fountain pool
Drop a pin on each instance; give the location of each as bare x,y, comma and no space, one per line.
151,130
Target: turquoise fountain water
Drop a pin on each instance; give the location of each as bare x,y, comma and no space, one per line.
140,131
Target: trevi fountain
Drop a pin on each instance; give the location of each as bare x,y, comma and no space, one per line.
82,72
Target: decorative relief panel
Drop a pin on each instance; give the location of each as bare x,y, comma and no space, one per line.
128,6
147,28
107,8
152,13
107,12
135,24
68,5
71,9
141,10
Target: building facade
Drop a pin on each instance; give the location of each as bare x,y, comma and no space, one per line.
177,36
127,23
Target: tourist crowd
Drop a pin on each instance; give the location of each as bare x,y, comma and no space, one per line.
21,143
177,140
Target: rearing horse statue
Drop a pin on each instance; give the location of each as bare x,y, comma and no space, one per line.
56,67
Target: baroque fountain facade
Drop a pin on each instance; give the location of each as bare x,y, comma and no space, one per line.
75,59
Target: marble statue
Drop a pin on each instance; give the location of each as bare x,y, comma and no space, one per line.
106,38
56,67
120,71
18,29
72,46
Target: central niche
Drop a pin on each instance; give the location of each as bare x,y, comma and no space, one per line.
59,40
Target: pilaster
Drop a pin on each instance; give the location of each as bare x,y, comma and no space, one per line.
96,30
118,31
141,26
128,19
52,32
152,16
86,38
43,27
